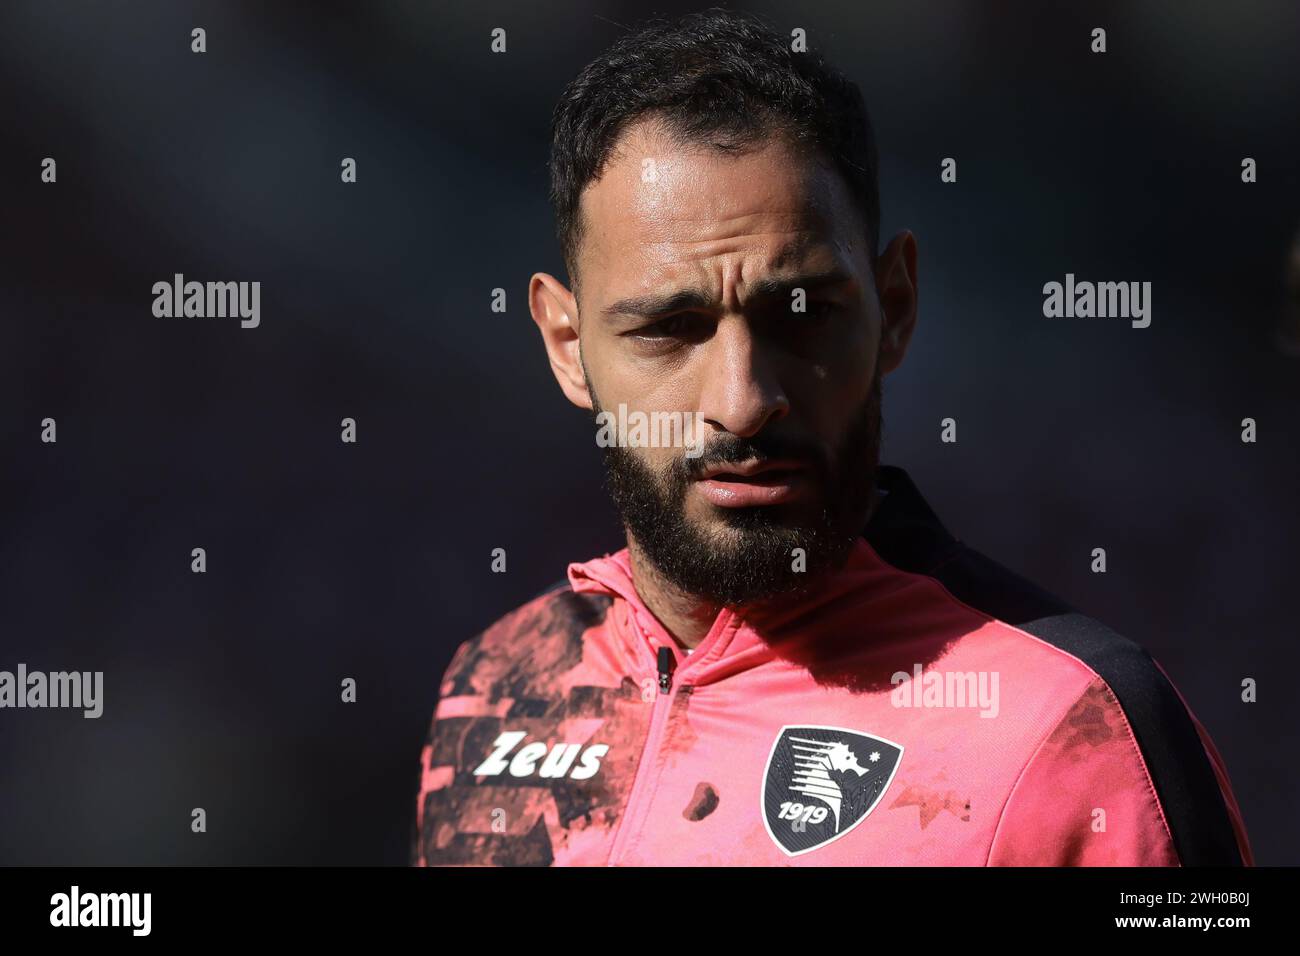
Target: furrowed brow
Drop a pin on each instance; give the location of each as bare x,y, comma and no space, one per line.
781,287
684,300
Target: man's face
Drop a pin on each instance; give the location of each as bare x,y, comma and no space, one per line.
692,268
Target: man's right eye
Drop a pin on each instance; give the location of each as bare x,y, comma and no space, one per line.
670,327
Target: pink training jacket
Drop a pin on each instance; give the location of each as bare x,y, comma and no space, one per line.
924,706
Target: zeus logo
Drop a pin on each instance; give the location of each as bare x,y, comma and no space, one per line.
558,759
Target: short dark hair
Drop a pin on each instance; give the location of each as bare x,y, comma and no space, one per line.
720,77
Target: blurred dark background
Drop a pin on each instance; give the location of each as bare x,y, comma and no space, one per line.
372,560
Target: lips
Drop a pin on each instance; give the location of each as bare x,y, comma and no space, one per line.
754,483
751,470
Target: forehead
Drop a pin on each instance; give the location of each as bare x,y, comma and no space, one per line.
661,207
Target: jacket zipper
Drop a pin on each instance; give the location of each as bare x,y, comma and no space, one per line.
649,755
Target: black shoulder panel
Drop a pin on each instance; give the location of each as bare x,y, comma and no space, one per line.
905,532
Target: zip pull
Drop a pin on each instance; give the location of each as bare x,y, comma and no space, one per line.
665,669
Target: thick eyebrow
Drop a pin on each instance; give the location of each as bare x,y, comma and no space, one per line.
685,300
660,304
781,288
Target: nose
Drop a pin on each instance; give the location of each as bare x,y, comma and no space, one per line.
741,393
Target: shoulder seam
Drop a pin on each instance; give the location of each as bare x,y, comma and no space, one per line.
1146,770
1029,760
1113,700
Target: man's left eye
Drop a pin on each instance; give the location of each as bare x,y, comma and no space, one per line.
820,310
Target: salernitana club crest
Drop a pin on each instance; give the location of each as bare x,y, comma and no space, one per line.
821,782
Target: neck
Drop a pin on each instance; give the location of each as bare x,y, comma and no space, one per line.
686,617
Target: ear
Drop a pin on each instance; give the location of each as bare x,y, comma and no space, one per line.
555,311
896,284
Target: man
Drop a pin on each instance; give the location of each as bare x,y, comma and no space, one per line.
755,679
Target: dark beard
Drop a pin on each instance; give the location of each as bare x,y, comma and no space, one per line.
754,560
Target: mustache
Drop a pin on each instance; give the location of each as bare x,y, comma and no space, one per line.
735,450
